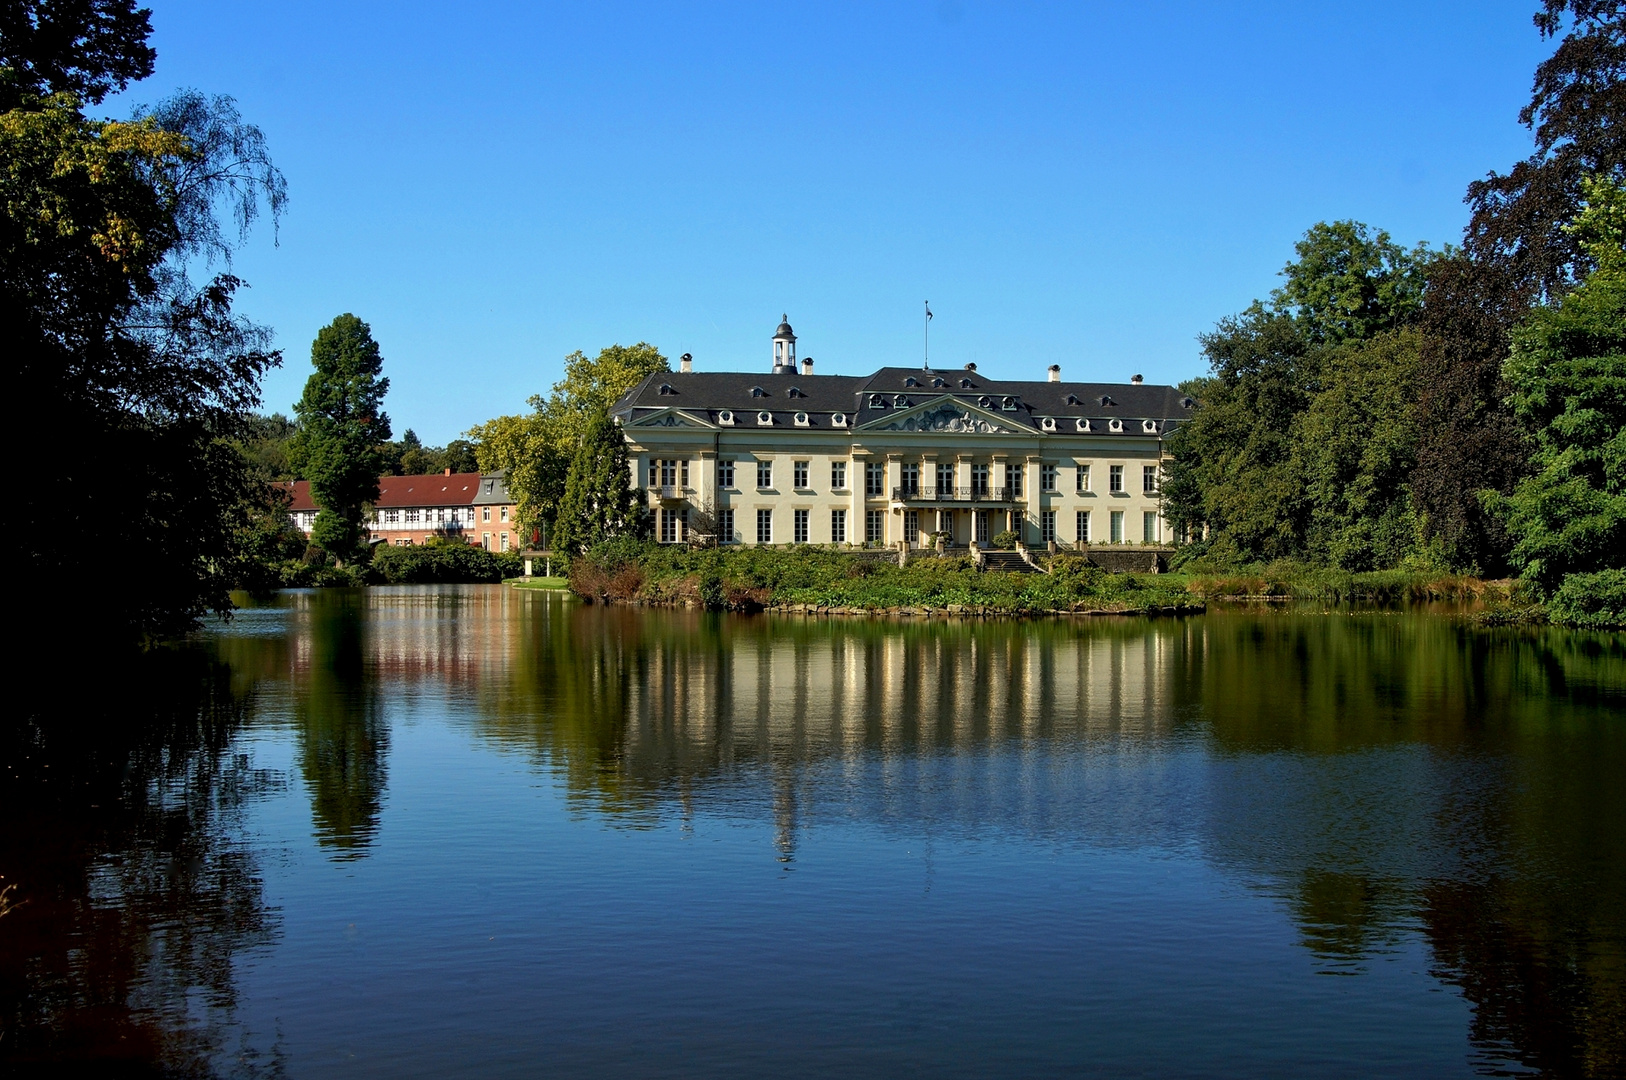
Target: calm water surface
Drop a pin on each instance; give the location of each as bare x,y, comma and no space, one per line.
480,832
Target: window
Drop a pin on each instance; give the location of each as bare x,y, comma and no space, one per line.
683,472
503,513
1117,526
1115,478
668,472
505,541
654,473
798,473
669,527
1047,478
764,526
874,478
1148,478
945,522
1083,526
874,526
911,479
1013,480
764,474
412,517
485,541
798,526
945,480
838,476
1047,526
725,526
485,513
725,474
392,516
982,526
838,526
979,481
911,525
1148,527
1083,479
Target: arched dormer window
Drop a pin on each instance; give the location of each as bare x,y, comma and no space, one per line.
876,401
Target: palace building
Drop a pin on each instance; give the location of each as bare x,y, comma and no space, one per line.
897,457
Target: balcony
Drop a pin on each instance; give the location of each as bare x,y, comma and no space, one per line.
974,494
670,492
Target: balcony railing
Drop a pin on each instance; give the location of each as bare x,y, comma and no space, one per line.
670,491
974,494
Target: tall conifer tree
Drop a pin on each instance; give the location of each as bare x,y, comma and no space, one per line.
342,428
599,502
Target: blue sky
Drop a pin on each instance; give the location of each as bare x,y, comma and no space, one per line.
492,186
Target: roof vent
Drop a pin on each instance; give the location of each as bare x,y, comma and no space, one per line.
1135,380
1055,373
764,418
726,417
685,363
800,419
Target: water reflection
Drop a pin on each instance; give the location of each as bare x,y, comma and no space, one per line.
1390,781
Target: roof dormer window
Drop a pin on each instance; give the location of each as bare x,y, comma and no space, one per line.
876,401
911,381
1008,404
900,400
666,390
965,384
1106,400
938,382
796,391
757,391
1072,399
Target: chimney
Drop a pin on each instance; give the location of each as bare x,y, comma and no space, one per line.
1136,380
1055,373
448,472
807,365
685,363
971,367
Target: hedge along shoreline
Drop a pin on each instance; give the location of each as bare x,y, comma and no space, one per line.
814,579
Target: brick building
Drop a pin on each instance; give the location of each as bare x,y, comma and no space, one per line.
413,509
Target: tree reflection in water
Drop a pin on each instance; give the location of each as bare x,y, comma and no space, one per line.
136,898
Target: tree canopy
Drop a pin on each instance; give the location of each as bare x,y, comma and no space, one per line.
342,424
87,48
599,502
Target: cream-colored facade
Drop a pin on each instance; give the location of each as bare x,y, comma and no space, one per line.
898,457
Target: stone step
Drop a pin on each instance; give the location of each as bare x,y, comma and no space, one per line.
1009,562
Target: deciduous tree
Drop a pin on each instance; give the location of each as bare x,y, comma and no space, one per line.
342,423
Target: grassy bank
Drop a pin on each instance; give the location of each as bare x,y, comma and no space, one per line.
755,579
1295,581
539,582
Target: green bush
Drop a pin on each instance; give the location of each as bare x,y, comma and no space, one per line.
1006,541
1596,600
442,562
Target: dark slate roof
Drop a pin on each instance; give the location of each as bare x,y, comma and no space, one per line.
707,393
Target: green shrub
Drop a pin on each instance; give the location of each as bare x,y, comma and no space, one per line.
442,562
1006,541
1596,600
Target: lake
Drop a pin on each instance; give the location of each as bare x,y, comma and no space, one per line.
475,831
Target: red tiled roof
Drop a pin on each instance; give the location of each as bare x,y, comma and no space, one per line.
394,492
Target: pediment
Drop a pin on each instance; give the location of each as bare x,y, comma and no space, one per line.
672,418
947,414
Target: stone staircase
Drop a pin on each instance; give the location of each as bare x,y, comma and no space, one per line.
1009,561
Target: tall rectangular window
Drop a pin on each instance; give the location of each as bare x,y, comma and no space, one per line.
1047,477
874,478
911,478
945,481
838,526
979,481
764,526
654,473
668,472
945,522
764,474
981,519
725,526
1047,525
1082,525
505,541
1117,526
1115,478
874,526
1083,479
798,475
911,525
669,527
503,513
1013,480
798,526
1148,478
838,476
1148,525
725,474
683,472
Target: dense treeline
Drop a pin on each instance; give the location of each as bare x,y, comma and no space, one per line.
1415,408
270,443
